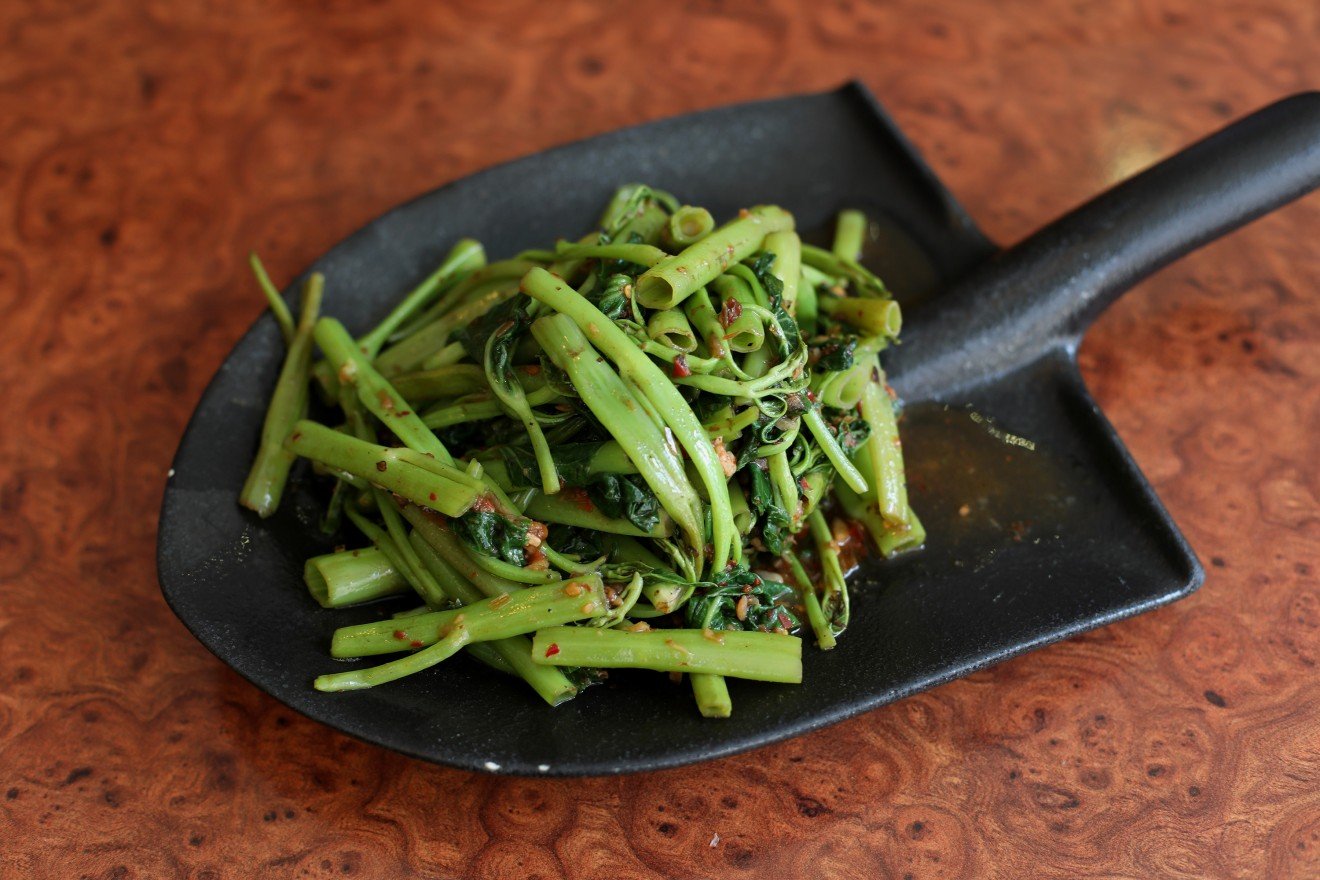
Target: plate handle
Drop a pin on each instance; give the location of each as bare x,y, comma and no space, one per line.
1044,292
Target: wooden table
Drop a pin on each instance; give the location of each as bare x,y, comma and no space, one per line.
148,146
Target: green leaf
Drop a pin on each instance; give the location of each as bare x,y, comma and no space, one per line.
618,496
848,428
834,353
766,605
572,461
582,544
789,338
472,436
625,497
774,520
774,288
611,299
770,426
493,535
473,337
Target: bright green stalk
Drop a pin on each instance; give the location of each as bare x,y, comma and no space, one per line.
896,541
742,515
746,332
375,392
350,577
875,317
787,267
450,548
816,278
489,653
810,601
712,694
863,510
649,224
450,354
454,380
729,428
278,307
432,590
344,477
835,605
858,276
402,559
416,351
905,533
516,404
482,280
847,470
884,453
642,254
270,469
675,278
849,234
571,512
415,477
665,596
702,315
687,226
476,410
568,564
733,653
645,403
808,306
488,620
781,477
814,486
609,399
390,636
842,389
629,202
508,570
616,345
466,256
671,328
515,652
457,587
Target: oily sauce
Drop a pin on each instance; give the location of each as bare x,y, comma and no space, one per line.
976,483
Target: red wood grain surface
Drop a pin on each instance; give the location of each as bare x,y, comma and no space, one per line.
145,147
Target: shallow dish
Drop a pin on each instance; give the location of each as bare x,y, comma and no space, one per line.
1040,524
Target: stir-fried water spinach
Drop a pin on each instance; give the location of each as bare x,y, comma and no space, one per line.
656,446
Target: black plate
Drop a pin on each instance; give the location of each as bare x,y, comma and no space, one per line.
1026,548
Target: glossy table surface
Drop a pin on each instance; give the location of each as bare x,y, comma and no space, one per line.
149,146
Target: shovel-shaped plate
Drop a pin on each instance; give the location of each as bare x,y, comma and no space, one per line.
1040,524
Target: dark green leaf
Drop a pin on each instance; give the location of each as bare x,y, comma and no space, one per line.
611,299
848,428
773,520
834,353
769,427
625,497
619,496
491,534
472,436
766,605
473,337
774,288
582,544
572,461
789,337
556,378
